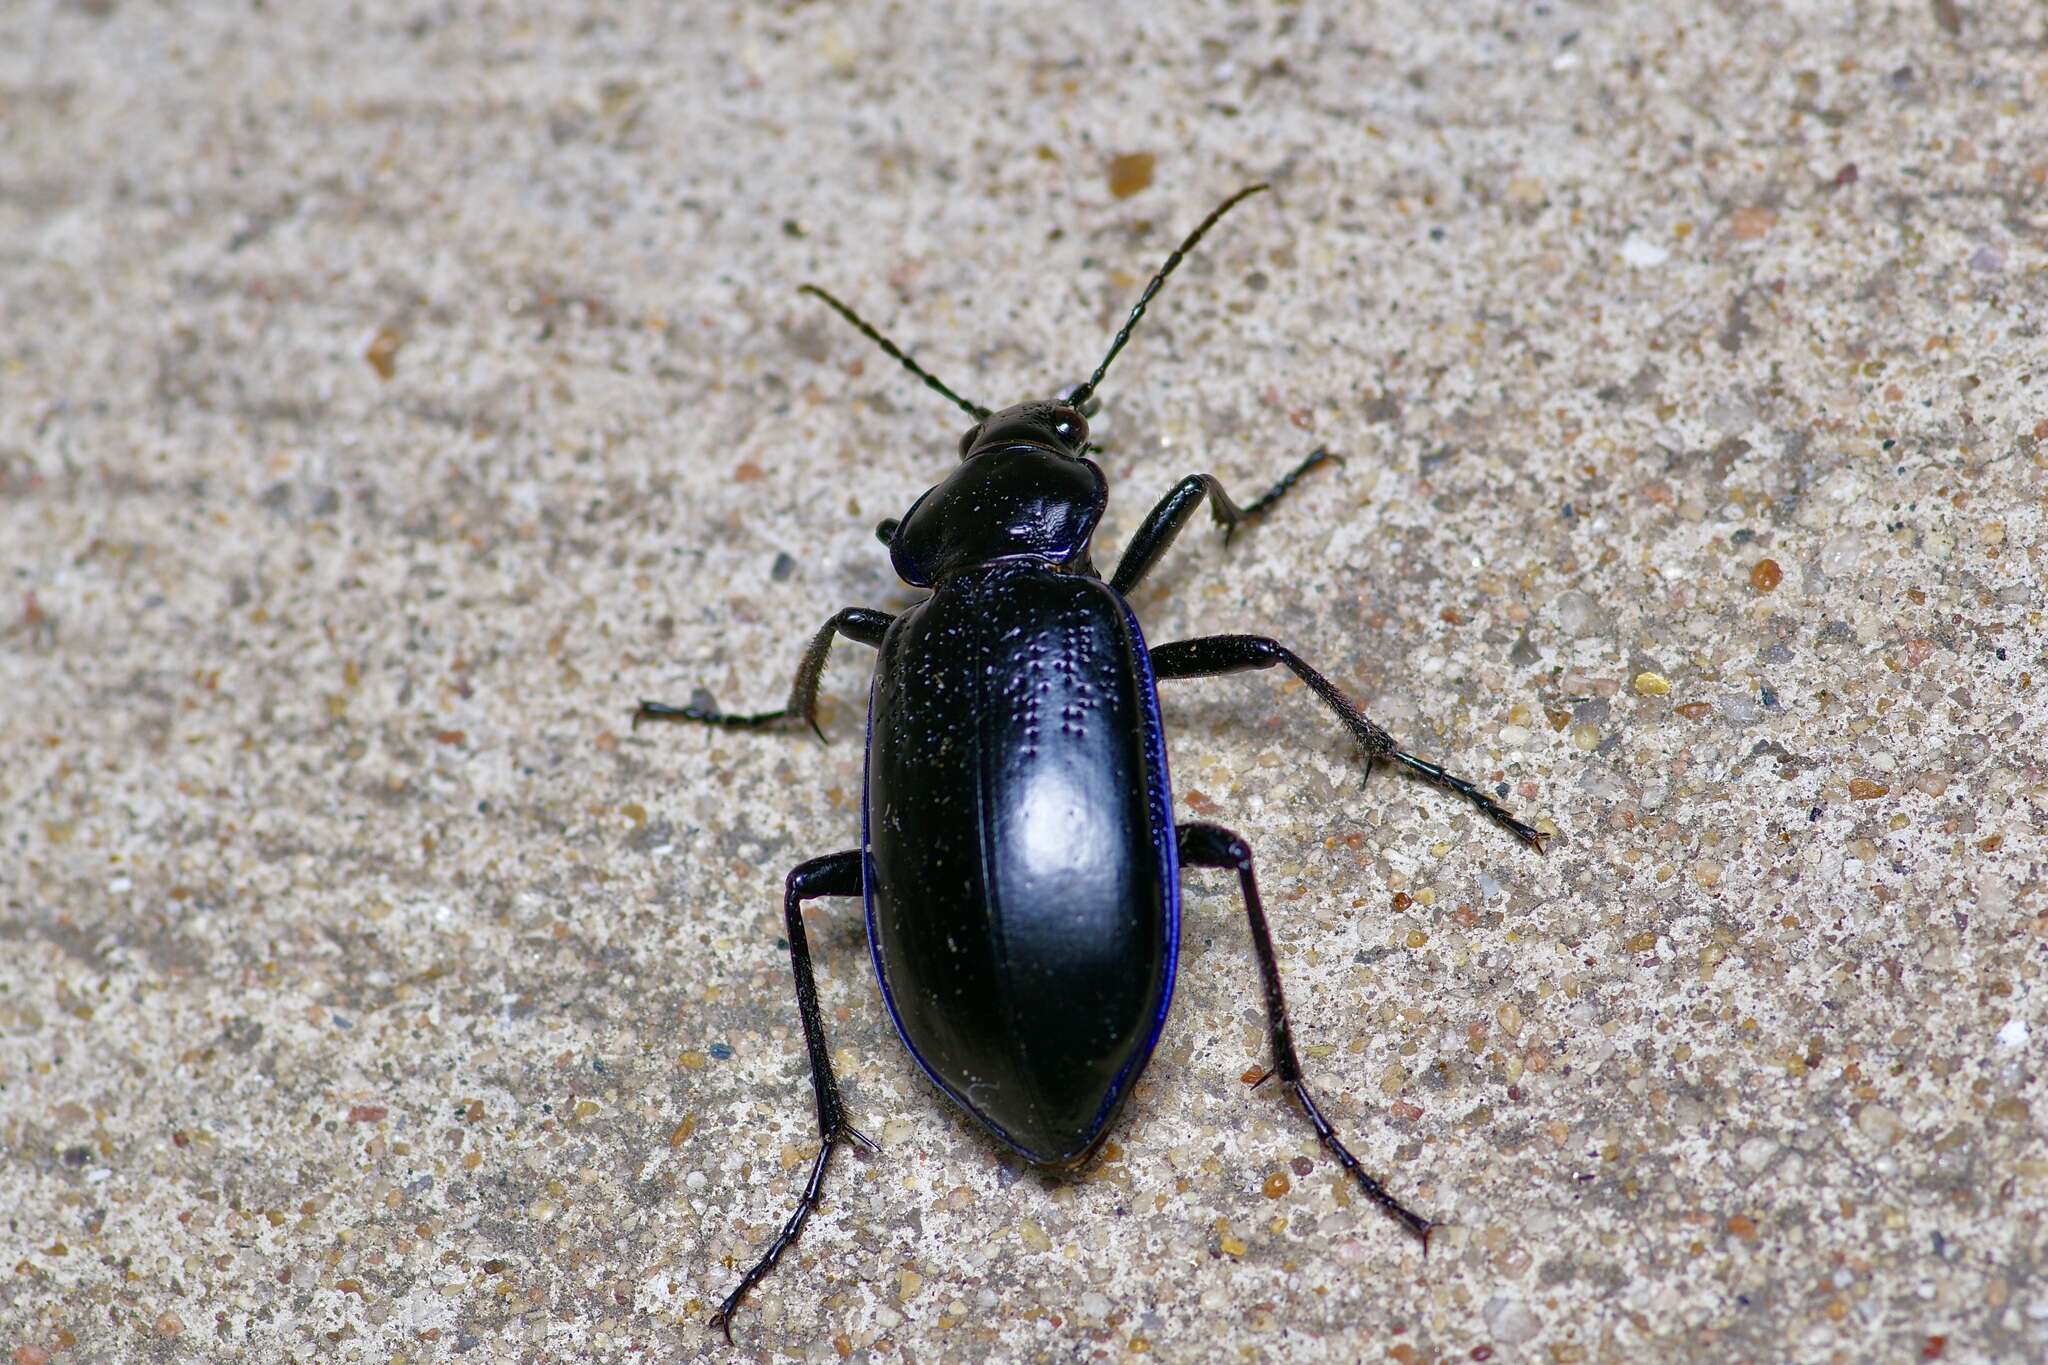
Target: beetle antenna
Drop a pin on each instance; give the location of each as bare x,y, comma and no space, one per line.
1087,391
976,410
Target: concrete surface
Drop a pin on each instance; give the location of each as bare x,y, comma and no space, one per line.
391,395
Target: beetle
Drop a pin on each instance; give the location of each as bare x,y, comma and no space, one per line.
1019,861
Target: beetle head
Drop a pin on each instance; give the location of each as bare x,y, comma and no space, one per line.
1049,426
1022,488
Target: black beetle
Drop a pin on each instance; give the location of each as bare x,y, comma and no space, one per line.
1019,858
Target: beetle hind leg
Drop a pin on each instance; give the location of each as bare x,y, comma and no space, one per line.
835,874
1213,846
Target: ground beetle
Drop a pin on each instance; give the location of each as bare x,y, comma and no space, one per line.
1019,858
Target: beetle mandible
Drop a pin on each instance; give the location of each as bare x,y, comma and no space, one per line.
1019,860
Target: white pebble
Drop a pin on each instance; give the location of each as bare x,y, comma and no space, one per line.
1877,1123
1841,555
1642,253
1511,1321
1578,614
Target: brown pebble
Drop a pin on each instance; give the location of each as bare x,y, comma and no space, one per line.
1765,575
169,1324
1863,789
1130,173
1753,222
1277,1184
382,352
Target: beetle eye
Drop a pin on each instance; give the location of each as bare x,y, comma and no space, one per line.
1069,426
967,439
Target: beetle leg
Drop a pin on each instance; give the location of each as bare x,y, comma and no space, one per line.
1213,846
835,874
855,623
1166,520
1214,655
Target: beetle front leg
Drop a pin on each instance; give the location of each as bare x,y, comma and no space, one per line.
835,874
1166,520
1214,846
1214,655
855,623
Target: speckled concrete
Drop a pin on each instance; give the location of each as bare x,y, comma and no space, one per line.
389,396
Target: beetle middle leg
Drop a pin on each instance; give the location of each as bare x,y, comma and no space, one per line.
860,624
1213,846
835,874
1165,521
1214,655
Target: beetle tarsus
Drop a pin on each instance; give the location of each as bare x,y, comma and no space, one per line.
1260,505
1458,786
702,715
1392,1207
813,1195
